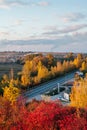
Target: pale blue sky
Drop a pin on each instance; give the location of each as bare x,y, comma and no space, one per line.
43,25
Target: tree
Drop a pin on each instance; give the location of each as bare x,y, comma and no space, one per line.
79,94
11,93
59,68
1,91
69,56
83,66
28,73
78,60
5,81
79,56
42,72
25,79
51,61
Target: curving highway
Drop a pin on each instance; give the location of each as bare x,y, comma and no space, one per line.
40,89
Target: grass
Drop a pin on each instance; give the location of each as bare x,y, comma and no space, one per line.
6,68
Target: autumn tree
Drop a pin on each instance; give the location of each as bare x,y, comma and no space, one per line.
51,60
11,93
26,73
84,66
25,79
78,60
53,71
42,72
41,68
77,63
59,68
79,94
5,81
69,56
79,56
65,66
1,91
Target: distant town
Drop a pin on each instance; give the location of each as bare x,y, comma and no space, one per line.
13,56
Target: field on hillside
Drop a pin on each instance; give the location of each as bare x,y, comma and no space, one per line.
6,68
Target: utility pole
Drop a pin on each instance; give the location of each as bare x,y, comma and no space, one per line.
58,88
12,74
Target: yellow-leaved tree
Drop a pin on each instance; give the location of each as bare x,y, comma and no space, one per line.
79,94
11,93
43,72
28,71
84,66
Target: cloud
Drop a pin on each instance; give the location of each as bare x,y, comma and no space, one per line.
18,22
6,4
3,4
50,28
23,45
73,17
43,3
4,33
76,42
1,1
68,29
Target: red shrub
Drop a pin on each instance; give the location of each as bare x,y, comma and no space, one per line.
41,115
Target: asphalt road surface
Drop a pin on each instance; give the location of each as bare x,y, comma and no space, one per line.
42,88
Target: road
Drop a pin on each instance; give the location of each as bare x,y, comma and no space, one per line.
40,89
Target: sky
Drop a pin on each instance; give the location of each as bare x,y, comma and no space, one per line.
43,25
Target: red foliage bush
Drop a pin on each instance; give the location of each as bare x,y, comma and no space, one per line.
41,115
